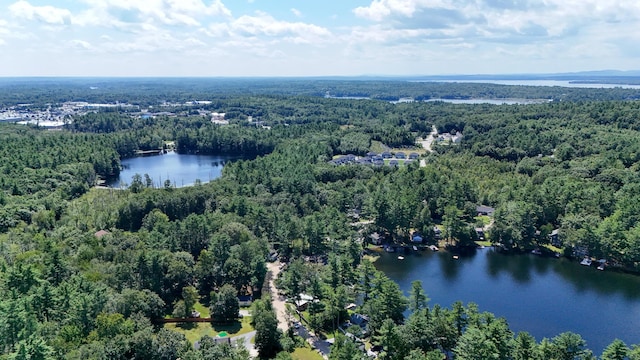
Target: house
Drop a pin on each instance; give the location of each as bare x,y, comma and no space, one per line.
416,238
343,159
401,155
303,301
414,155
215,116
393,162
376,239
480,233
386,155
245,300
485,210
437,232
371,154
359,319
554,239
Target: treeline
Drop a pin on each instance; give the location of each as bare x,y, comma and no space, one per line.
146,92
566,166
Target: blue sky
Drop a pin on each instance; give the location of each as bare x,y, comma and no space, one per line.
315,38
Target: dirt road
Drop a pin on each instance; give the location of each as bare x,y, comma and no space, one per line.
426,143
279,304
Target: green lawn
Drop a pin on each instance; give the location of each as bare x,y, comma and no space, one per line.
377,146
553,248
203,310
195,331
306,353
484,218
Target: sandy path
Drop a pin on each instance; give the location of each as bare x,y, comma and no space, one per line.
426,143
277,301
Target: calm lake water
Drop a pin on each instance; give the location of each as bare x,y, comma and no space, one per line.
562,83
490,101
542,296
181,169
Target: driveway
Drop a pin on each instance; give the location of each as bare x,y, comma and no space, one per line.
322,346
246,340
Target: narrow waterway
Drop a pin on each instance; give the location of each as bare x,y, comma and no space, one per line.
542,296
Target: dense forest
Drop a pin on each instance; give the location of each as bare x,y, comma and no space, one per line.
90,272
151,91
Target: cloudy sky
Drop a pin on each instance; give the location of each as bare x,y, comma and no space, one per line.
315,37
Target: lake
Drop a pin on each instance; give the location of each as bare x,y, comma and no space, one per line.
561,83
542,296
181,169
491,101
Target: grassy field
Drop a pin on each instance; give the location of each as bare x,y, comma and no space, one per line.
203,310
407,151
378,147
485,219
553,248
195,331
306,353
483,243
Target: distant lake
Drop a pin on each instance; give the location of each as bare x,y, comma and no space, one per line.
180,169
562,83
490,101
542,296
347,97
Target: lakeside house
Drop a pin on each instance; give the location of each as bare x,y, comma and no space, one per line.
554,238
359,319
376,239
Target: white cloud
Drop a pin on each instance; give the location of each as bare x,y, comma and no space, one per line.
388,36
501,18
263,24
46,14
80,45
296,12
122,13
3,31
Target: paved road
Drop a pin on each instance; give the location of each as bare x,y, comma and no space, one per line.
246,339
322,346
